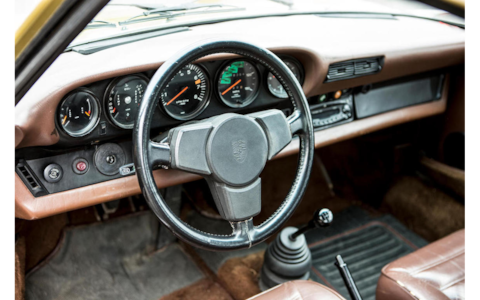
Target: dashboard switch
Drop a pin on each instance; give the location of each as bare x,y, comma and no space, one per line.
53,173
80,166
103,128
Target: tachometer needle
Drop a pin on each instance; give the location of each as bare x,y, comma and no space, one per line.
231,87
87,113
181,92
64,119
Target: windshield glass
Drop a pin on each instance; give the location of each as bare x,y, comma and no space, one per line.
125,17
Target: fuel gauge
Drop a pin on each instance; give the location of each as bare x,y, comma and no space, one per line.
79,113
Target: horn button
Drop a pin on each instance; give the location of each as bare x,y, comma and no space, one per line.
237,150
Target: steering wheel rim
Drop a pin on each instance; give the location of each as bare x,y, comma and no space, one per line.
244,234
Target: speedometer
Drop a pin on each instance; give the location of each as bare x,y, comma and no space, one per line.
238,83
186,95
123,99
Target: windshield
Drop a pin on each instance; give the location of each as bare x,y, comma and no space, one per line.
126,17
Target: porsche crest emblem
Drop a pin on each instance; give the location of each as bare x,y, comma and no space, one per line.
239,150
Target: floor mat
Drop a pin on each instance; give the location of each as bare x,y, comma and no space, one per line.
365,243
422,207
112,260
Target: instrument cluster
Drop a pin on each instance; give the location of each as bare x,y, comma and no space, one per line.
196,91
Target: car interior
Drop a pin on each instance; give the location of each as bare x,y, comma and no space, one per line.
226,150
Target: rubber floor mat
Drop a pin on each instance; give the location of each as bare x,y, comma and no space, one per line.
366,245
112,260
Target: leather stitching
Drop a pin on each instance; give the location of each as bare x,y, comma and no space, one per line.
436,263
452,283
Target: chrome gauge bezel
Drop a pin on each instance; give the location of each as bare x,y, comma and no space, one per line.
295,62
106,96
252,97
92,125
204,103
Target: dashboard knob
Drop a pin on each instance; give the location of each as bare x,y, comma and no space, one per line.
53,173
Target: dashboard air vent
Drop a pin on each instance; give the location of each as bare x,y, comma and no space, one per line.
28,177
366,66
30,181
340,70
354,68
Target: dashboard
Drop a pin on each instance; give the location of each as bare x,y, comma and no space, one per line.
74,127
107,109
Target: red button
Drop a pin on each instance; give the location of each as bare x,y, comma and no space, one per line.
81,166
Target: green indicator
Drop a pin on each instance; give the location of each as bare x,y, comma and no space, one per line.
226,78
233,69
238,64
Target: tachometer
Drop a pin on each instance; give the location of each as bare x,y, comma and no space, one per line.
275,87
79,113
123,99
186,95
238,83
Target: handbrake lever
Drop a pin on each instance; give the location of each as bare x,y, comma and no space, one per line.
347,278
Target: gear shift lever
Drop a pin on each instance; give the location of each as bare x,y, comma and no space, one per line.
321,218
288,257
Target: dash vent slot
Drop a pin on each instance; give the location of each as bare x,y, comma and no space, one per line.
366,66
354,68
340,70
29,179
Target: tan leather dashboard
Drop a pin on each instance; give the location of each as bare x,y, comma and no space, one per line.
29,207
409,46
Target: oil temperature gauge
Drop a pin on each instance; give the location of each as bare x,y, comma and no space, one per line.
123,99
79,113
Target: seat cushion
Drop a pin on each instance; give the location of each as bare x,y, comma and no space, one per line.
299,290
436,271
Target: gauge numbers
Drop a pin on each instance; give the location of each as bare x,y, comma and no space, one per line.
123,100
238,83
186,95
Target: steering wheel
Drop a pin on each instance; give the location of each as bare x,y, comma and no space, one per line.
229,151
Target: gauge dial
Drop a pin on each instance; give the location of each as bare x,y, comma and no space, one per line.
275,87
123,100
79,113
238,83
186,95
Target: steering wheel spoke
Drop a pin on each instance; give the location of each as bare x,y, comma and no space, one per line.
295,122
277,129
237,203
159,153
188,147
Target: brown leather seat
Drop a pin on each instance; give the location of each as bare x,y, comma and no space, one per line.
299,290
436,271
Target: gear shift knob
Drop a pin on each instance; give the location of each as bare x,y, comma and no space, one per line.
321,218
